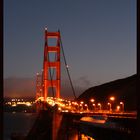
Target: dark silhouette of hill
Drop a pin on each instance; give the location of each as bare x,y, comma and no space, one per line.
122,89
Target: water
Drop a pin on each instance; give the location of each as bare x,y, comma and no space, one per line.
18,123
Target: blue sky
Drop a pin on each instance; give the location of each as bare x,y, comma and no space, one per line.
99,37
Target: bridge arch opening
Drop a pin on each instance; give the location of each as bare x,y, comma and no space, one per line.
51,91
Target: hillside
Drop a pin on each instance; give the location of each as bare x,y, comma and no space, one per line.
122,89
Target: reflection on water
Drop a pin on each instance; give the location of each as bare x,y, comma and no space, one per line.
17,123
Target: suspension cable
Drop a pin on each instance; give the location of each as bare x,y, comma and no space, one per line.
73,90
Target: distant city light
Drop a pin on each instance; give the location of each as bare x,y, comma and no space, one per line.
14,104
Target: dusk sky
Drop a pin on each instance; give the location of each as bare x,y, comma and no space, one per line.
99,38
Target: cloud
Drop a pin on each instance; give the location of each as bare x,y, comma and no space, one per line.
83,81
80,85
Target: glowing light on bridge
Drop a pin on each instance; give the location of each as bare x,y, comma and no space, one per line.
109,106
112,98
99,104
122,103
66,106
92,100
118,108
82,102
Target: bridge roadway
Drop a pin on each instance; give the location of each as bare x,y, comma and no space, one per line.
73,107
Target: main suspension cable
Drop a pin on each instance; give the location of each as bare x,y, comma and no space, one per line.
67,69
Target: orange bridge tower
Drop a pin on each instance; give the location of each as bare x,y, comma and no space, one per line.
49,80
38,86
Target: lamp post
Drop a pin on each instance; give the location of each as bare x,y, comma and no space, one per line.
80,107
77,108
91,101
112,99
86,107
94,106
121,103
99,104
118,108
110,109
81,104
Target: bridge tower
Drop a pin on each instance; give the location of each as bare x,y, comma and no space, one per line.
48,64
38,86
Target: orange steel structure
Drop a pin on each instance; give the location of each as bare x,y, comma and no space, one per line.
47,64
38,86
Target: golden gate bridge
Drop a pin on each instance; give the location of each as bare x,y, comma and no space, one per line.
56,113
50,82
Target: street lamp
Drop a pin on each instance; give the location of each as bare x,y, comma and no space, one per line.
121,103
91,101
86,106
109,106
94,106
112,98
99,105
81,104
118,108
